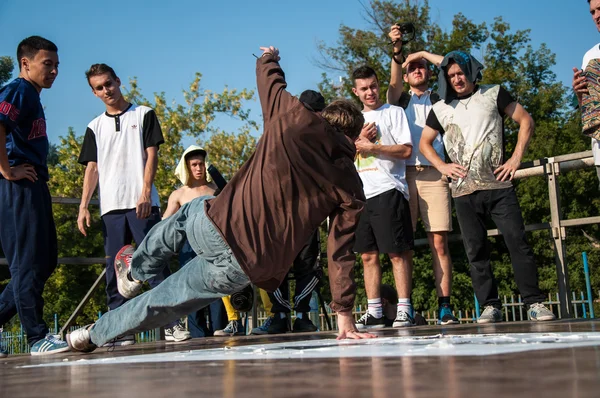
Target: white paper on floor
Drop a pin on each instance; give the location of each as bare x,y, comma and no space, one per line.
436,345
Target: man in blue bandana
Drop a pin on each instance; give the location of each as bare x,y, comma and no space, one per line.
471,119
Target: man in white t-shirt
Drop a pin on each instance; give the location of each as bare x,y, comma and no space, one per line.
385,225
120,152
579,82
429,189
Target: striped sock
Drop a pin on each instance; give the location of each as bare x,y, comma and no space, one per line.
375,307
405,305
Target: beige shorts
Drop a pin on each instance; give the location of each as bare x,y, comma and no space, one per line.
430,198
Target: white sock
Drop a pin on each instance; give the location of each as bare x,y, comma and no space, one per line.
375,308
405,305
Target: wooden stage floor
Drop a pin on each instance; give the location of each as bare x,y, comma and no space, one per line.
181,371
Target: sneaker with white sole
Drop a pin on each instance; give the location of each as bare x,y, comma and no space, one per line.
127,287
403,319
539,312
233,328
446,317
51,344
123,340
368,321
177,333
490,314
264,328
80,340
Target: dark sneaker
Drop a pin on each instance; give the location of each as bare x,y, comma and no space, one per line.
177,333
539,312
233,328
304,324
445,316
126,339
264,328
79,340
51,344
368,321
403,319
3,353
279,325
127,287
490,315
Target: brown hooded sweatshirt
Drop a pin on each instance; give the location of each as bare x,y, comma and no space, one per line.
301,173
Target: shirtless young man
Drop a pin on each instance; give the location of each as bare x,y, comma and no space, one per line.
191,171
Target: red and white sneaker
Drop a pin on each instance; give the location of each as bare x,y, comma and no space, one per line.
127,287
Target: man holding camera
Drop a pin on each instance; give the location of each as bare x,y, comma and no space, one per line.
428,188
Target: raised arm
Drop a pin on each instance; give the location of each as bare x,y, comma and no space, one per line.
270,81
396,82
432,58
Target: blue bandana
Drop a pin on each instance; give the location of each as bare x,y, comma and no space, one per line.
468,64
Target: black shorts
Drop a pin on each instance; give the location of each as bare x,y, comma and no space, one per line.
385,225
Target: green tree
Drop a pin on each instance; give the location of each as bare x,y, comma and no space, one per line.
6,69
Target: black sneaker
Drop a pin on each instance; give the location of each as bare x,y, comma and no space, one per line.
279,325
368,321
446,317
304,324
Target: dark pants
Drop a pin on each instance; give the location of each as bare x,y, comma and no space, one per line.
28,238
119,228
503,207
306,270
217,316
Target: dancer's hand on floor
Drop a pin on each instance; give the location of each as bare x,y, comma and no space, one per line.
347,329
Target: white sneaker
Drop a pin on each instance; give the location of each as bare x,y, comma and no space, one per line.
490,315
79,340
177,333
127,288
126,339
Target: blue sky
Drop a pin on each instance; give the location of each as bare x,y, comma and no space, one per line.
164,43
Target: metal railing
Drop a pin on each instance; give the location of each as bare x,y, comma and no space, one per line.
551,168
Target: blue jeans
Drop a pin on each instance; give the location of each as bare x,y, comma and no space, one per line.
217,317
214,273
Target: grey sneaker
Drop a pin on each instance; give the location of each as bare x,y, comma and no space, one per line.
79,340
177,333
403,319
264,328
490,315
233,328
539,312
127,287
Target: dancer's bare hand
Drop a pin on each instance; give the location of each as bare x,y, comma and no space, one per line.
395,36
143,208
271,50
347,329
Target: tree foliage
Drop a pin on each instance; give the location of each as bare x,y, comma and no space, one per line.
6,69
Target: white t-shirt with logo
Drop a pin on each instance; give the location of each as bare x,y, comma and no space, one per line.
593,53
416,113
380,173
117,143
